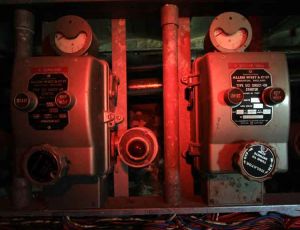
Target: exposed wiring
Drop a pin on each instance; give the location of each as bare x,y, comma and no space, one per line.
217,221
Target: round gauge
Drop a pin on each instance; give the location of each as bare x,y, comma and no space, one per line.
71,36
70,45
230,32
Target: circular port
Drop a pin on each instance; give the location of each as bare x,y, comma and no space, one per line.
42,165
137,149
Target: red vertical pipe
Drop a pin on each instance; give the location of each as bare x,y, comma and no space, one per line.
184,69
118,27
169,22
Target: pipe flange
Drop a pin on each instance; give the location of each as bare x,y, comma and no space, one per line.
138,147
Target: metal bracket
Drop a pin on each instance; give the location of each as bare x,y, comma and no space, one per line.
190,82
194,149
112,119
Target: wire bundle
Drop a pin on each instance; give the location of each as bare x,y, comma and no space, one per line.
230,221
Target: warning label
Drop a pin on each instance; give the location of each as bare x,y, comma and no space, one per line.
251,111
47,115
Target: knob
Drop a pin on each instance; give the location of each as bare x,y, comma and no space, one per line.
257,161
25,101
43,166
234,96
273,96
64,100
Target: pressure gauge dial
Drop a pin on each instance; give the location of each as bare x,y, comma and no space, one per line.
230,32
72,36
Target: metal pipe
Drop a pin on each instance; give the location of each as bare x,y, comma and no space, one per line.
118,26
146,86
24,30
169,23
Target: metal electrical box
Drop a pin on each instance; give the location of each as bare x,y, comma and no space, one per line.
242,104
60,108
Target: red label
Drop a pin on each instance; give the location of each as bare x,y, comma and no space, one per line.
50,69
247,65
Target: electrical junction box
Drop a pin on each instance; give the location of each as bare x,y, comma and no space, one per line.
242,105
61,116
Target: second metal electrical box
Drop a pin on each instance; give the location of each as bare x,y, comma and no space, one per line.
242,104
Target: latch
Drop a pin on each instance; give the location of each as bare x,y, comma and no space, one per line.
194,149
112,119
190,81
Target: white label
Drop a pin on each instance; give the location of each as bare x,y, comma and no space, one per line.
267,111
240,111
255,100
253,116
258,106
251,111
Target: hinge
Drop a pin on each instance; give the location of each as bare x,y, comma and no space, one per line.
112,119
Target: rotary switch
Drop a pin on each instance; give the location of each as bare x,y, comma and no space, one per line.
273,96
257,161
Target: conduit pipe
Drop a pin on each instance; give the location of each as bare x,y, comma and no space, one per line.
24,30
169,23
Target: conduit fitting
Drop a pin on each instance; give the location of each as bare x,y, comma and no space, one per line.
43,165
138,147
24,31
169,15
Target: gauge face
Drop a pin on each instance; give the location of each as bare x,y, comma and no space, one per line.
231,41
72,45
230,32
72,36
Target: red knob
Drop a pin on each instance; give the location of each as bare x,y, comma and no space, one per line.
25,101
64,100
273,96
234,96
